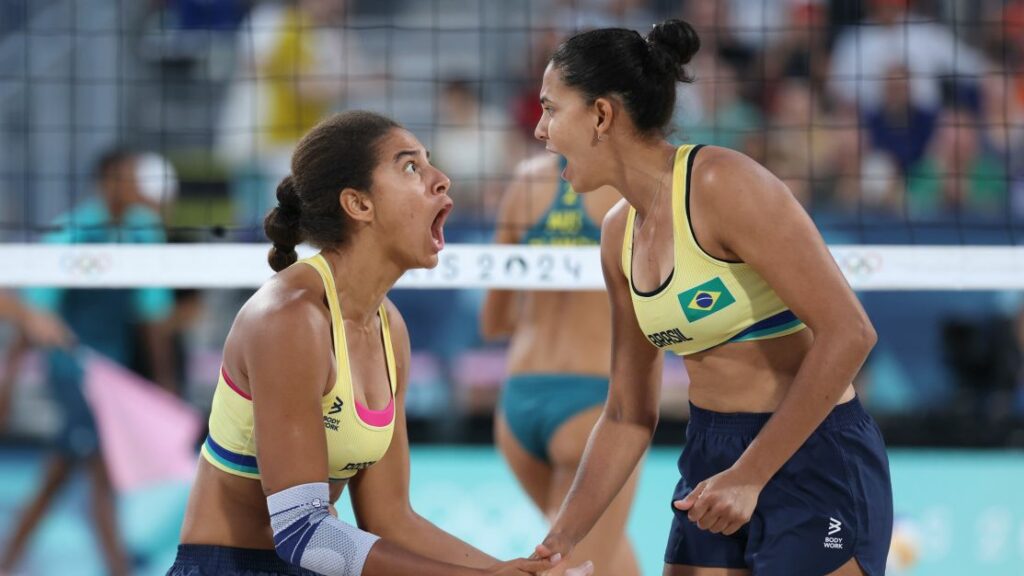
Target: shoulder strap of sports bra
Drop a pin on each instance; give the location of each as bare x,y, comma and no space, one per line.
318,263
627,245
385,328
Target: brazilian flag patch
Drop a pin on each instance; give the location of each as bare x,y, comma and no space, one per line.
706,299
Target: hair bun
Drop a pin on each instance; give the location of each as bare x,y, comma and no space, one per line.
672,45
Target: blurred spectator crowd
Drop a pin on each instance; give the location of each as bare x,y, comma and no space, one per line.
892,121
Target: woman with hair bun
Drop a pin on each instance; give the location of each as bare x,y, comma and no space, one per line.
709,256
312,386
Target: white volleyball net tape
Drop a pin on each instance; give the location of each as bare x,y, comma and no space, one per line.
866,267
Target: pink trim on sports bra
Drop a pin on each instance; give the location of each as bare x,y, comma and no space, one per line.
378,418
231,384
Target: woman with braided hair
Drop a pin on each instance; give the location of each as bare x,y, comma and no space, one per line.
312,386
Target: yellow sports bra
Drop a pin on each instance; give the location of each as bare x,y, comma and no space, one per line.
357,437
705,301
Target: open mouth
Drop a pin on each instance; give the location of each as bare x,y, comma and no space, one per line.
565,168
437,226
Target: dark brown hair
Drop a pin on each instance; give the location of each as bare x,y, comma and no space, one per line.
642,71
340,152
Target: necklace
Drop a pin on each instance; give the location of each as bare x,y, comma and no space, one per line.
650,257
650,214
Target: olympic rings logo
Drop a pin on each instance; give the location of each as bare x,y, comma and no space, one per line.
861,264
85,263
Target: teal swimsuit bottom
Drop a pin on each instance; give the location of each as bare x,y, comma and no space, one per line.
536,405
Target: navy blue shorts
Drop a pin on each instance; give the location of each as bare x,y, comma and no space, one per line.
203,560
830,502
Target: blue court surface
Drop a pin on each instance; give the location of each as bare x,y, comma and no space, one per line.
959,512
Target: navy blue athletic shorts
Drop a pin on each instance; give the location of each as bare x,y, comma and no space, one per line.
203,560
830,502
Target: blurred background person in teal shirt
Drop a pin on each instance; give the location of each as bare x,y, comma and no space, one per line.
108,321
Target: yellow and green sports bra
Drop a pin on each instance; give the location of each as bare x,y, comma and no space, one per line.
357,437
705,301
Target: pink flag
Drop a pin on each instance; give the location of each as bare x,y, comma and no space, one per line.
148,434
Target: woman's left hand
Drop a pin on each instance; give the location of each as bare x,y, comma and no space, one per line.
723,503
